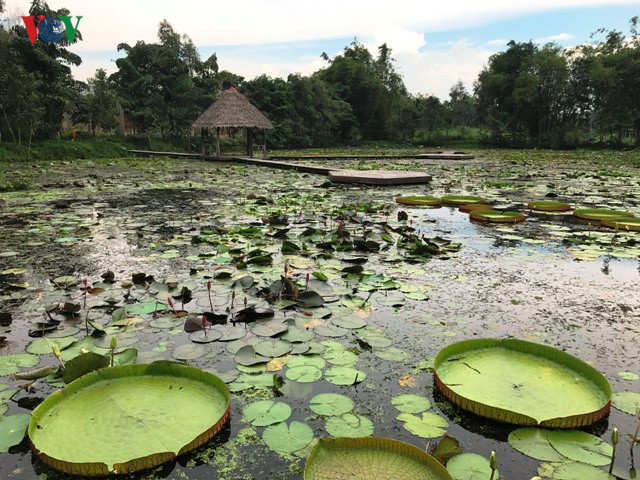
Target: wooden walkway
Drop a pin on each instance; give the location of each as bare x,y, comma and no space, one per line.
419,156
366,177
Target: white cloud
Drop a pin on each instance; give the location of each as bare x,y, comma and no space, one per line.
560,37
498,42
105,23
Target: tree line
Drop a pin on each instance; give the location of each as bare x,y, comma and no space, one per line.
526,95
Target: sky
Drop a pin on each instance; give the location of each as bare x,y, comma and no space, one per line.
435,44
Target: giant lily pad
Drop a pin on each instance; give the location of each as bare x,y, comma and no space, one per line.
601,214
495,216
549,206
522,383
147,414
369,458
461,199
419,200
624,224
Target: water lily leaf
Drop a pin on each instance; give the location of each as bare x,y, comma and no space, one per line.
628,376
207,335
349,322
246,381
190,351
628,402
377,341
266,412
307,360
125,339
269,329
579,471
344,375
247,356
297,335
331,331
10,364
144,308
66,281
411,403
44,346
167,322
83,364
320,276
581,447
331,404
447,448
340,357
393,354
12,430
429,425
371,458
272,348
287,438
304,374
470,466
230,333
310,299
534,442
349,425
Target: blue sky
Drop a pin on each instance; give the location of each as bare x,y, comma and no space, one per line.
435,44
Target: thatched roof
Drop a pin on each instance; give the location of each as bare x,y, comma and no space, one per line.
232,109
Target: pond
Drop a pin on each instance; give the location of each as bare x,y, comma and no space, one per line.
394,290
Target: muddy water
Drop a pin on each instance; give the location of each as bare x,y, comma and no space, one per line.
523,280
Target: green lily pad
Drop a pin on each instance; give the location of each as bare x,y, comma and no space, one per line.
147,414
266,412
549,206
288,438
340,357
522,382
344,375
419,200
470,466
10,364
393,354
534,442
230,333
190,351
272,348
579,471
351,323
307,361
598,214
623,224
44,345
628,402
297,335
349,425
631,376
207,335
144,308
371,458
495,216
269,329
581,447
411,403
12,430
429,425
462,199
304,374
331,404
247,356
331,331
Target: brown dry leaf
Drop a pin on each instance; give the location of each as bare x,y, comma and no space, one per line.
363,312
407,381
278,364
95,291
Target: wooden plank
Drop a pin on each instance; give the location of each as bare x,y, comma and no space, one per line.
421,156
379,177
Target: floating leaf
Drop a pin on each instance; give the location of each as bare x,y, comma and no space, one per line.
307,360
470,466
371,458
12,430
310,299
393,354
581,447
144,308
579,471
44,346
349,425
270,328
447,448
429,425
344,375
247,356
83,364
190,351
272,348
534,442
297,335
304,374
287,438
340,357
266,412
10,364
628,376
628,402
411,403
331,404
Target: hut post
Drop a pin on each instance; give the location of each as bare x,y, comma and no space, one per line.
218,142
202,141
250,142
264,143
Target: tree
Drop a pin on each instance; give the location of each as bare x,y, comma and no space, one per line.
461,105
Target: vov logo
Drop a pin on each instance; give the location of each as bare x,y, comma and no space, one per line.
51,29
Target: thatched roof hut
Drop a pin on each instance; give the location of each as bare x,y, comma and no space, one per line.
233,109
